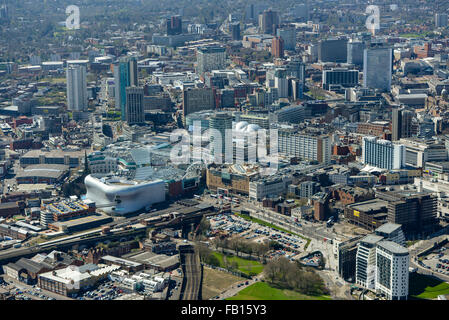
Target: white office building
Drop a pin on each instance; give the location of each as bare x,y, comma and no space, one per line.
305,146
382,154
210,58
270,187
76,88
418,152
366,261
392,274
382,265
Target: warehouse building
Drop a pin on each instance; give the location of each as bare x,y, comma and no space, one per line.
42,174
72,279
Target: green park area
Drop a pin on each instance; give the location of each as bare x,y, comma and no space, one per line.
316,95
416,35
263,291
248,267
411,35
426,287
54,80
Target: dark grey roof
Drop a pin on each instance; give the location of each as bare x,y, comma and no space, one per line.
43,170
7,205
13,266
31,266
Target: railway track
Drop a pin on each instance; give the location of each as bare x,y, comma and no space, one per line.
192,275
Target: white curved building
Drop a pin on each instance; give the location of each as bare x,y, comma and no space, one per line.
124,196
245,127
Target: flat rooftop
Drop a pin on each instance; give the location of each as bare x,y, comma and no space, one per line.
388,228
372,239
64,207
442,164
43,170
121,261
393,247
57,153
161,260
83,220
370,205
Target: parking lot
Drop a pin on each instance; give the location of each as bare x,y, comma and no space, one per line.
437,261
235,226
25,292
106,290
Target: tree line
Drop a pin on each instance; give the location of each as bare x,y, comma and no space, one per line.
284,274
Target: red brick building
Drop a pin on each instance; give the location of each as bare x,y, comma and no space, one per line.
277,47
348,195
424,51
339,150
9,209
376,128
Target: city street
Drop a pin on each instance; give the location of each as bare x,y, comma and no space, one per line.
420,246
235,289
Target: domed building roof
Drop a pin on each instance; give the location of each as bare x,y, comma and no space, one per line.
243,126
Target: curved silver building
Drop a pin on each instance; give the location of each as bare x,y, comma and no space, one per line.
118,196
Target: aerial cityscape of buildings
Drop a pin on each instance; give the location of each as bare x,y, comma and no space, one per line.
163,145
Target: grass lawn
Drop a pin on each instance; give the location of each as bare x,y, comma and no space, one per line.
410,243
425,287
55,80
216,281
270,225
263,291
410,35
37,240
415,35
245,266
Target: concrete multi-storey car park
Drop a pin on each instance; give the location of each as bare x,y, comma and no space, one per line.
71,158
367,214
